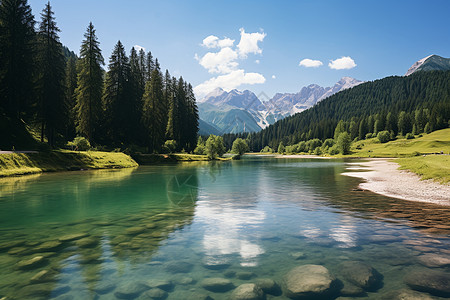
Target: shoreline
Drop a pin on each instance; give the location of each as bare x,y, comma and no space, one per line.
382,176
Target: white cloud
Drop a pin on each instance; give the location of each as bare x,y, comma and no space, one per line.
228,81
138,48
213,41
310,63
345,62
249,43
223,61
273,76
257,61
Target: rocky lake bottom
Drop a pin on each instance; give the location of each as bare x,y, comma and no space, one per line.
250,229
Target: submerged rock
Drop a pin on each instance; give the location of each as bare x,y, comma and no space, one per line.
104,288
5,246
130,290
434,282
155,293
434,260
44,276
179,267
32,263
361,274
186,281
162,284
87,242
48,246
309,282
217,285
351,290
72,237
297,255
405,294
135,230
247,291
245,275
268,286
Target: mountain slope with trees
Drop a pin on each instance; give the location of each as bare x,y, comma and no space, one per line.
400,105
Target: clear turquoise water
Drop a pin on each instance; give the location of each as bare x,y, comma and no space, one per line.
190,221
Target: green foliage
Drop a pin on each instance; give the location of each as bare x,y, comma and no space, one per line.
281,148
368,135
170,146
239,146
409,136
88,108
384,136
200,149
334,150
79,143
214,146
266,149
311,145
318,151
436,167
343,143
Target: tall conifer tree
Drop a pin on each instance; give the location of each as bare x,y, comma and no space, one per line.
16,56
88,109
51,87
71,85
116,94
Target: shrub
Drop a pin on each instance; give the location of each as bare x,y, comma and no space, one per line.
79,143
333,150
409,136
239,146
313,144
266,149
368,136
328,143
170,146
318,151
214,146
343,143
384,136
200,149
281,148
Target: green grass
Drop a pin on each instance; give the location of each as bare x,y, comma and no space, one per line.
435,167
149,159
434,142
28,163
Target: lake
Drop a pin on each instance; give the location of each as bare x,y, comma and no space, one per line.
201,229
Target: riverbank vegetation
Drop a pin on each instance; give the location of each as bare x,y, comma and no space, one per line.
12,164
435,167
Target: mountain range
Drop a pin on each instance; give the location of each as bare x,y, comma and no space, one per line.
242,111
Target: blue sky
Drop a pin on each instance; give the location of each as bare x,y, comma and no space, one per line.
377,38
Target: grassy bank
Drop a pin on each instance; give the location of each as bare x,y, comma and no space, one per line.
28,163
435,167
149,159
434,142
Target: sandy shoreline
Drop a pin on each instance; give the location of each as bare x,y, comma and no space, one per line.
384,178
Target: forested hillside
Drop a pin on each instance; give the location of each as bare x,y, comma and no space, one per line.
46,90
400,105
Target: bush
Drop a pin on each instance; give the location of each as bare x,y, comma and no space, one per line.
200,149
318,151
409,136
214,146
384,136
416,153
368,136
333,150
79,143
266,149
281,148
170,146
239,146
313,144
328,143
344,142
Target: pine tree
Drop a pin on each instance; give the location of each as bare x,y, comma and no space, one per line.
172,114
150,65
137,87
51,89
153,115
70,85
88,107
362,129
115,96
192,118
16,56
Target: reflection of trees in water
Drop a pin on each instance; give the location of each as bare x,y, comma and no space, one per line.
108,242
9,185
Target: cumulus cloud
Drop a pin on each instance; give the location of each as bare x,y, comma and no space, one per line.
223,61
229,81
310,63
273,76
213,41
345,62
138,48
249,43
